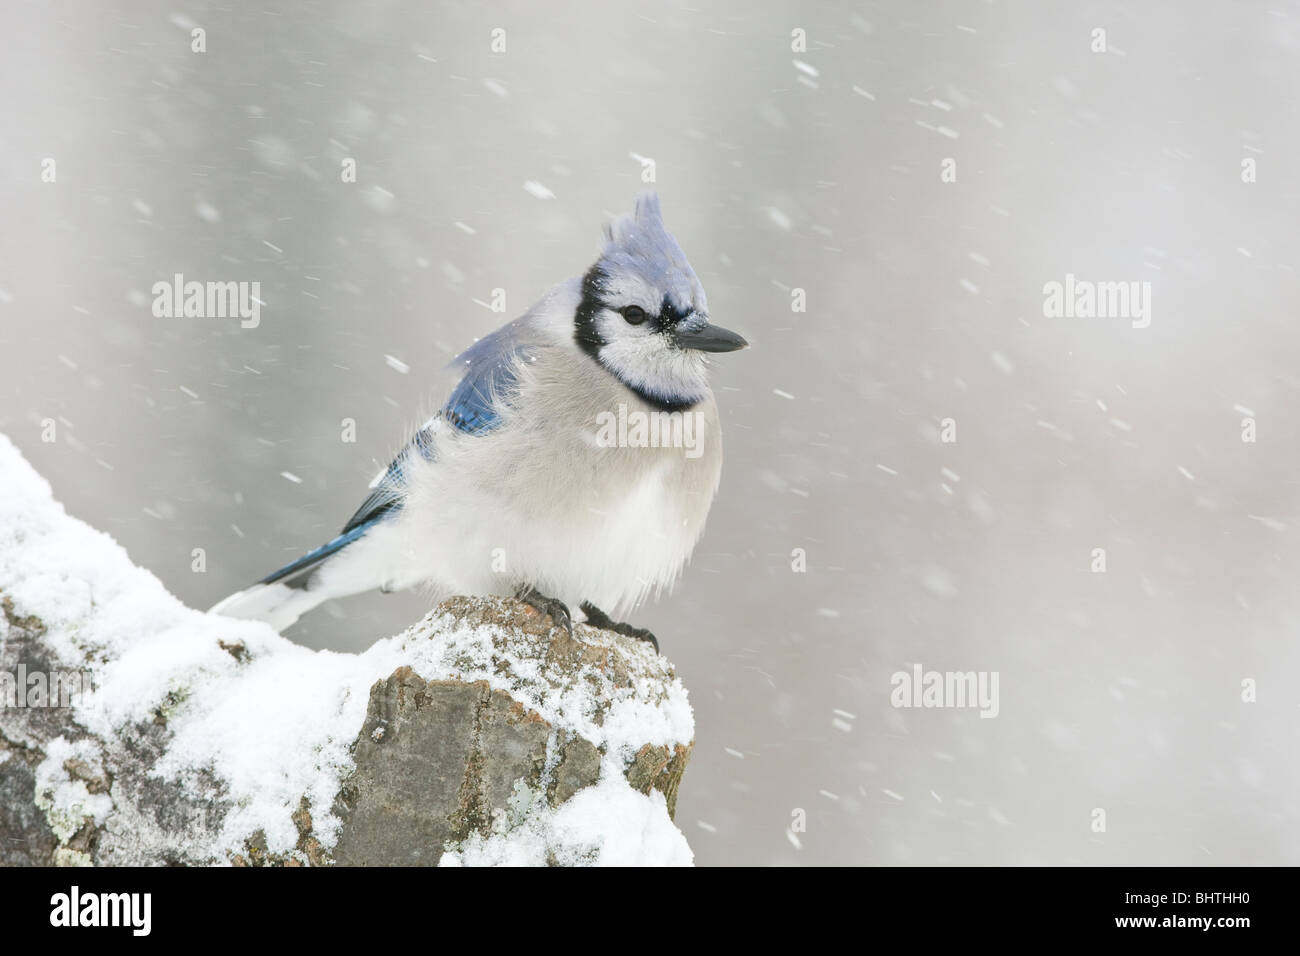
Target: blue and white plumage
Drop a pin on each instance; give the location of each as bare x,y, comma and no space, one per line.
514,486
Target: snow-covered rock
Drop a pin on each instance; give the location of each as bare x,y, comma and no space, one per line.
479,735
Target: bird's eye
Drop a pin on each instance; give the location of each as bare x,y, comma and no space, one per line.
634,314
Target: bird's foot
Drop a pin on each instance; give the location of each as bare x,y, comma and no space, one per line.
557,610
598,618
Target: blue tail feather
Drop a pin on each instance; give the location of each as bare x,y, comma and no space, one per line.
295,574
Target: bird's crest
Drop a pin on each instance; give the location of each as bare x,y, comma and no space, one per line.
647,220
640,244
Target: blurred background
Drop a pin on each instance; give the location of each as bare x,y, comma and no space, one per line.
795,146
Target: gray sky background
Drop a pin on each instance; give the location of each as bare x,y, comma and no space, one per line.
1119,690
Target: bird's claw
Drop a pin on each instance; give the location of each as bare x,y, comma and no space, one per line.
556,609
598,618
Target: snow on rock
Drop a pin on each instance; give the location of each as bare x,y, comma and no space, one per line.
609,824
210,740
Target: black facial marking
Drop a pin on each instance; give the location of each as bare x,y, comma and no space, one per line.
670,315
584,320
589,340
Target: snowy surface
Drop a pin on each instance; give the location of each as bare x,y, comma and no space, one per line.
279,726
609,824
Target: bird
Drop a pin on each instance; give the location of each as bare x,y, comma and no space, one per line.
572,466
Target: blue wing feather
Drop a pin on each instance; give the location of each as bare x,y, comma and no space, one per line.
491,368
387,494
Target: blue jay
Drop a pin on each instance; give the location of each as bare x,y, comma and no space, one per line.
573,465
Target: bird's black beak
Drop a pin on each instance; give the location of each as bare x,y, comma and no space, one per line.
706,338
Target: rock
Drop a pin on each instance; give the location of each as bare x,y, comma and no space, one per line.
480,734
438,760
